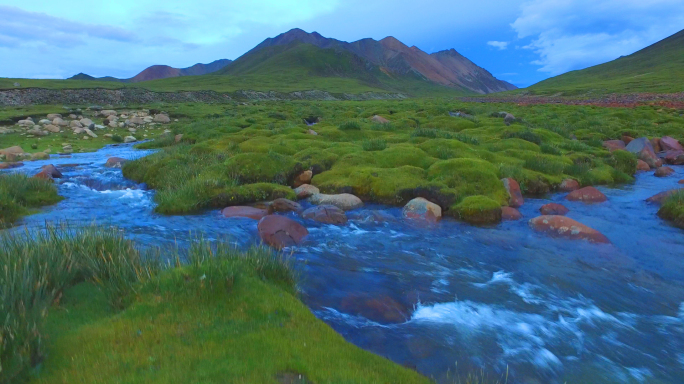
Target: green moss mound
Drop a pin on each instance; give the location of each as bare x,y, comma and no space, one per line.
469,177
478,210
20,193
673,209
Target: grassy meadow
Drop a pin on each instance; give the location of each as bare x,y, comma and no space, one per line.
86,305
240,154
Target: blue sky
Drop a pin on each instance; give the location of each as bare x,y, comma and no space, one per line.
520,41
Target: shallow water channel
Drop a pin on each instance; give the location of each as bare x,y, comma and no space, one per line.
453,297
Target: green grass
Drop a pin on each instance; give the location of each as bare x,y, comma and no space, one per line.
673,209
19,194
85,305
657,68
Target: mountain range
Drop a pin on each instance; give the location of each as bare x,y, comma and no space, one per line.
385,64
156,72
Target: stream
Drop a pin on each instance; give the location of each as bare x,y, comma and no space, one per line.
453,297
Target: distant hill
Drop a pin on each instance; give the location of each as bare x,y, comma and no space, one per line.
157,72
658,68
388,56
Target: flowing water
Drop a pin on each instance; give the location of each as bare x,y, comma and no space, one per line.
453,297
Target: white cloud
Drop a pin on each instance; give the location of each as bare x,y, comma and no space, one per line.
498,44
575,34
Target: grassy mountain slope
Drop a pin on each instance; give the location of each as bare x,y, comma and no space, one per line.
657,68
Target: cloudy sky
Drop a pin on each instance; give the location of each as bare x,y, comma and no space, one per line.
521,41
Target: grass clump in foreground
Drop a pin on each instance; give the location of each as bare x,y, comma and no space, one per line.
87,305
20,193
673,209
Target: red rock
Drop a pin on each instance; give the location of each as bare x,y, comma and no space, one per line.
642,166
381,309
241,211
284,205
627,139
554,209
643,149
655,143
659,163
302,178
52,171
674,157
569,185
115,162
422,209
328,214
280,232
561,226
510,214
516,199
613,145
662,196
664,171
681,181
10,165
669,144
305,191
45,175
587,195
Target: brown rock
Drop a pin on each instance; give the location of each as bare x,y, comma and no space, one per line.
381,309
10,165
328,214
627,139
516,199
681,181
662,196
305,191
568,185
642,166
613,145
284,205
561,226
16,150
345,201
178,138
510,214
303,178
241,211
674,157
655,143
553,209
379,119
422,209
162,118
45,175
52,128
669,144
280,232
643,149
587,195
115,162
664,172
52,171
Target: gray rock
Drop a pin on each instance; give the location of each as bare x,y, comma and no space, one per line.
130,139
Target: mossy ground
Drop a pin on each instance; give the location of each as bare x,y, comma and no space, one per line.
423,151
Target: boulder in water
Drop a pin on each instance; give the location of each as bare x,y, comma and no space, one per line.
422,209
241,211
513,189
52,171
565,227
510,214
568,185
643,166
643,149
115,162
664,172
328,214
284,205
667,143
662,196
553,209
674,157
587,195
305,191
280,232
381,309
344,201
